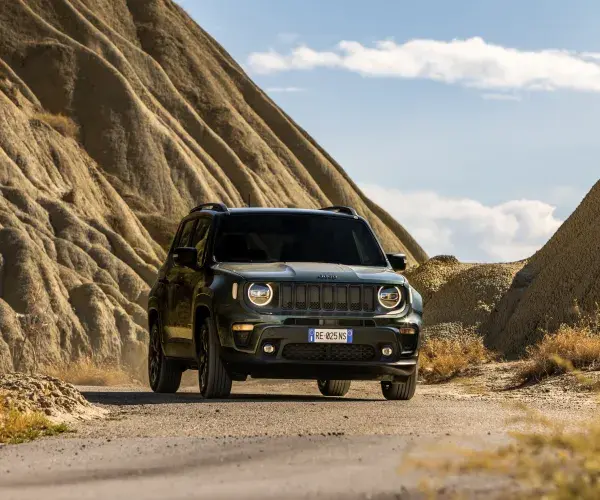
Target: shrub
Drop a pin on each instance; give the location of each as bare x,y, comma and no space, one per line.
88,372
17,426
570,348
444,358
61,123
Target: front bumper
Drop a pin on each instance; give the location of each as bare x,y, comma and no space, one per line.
295,357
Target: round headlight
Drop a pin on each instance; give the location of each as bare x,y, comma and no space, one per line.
260,294
389,296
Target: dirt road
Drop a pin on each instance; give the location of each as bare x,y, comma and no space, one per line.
270,440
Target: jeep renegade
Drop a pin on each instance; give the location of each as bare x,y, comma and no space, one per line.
282,293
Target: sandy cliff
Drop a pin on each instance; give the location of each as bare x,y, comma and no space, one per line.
166,120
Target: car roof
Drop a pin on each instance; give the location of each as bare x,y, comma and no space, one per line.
287,211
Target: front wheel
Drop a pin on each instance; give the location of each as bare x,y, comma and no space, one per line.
164,375
213,379
334,387
400,391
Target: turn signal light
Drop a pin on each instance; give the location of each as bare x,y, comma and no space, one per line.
242,327
408,331
242,333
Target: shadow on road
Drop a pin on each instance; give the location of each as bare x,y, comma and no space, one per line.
129,398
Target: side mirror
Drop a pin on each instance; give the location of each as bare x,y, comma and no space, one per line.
397,260
185,257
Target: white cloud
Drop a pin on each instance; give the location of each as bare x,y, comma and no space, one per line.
467,228
500,97
472,62
285,89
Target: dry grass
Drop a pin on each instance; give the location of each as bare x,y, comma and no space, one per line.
88,372
551,463
61,123
18,427
444,358
570,349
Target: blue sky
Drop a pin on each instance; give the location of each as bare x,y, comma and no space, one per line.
476,124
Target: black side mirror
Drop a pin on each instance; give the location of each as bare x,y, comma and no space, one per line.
397,260
185,257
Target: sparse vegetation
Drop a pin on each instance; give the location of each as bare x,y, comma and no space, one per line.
444,358
18,426
88,372
61,123
570,348
555,463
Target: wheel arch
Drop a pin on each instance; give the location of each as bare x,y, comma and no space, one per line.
202,313
153,317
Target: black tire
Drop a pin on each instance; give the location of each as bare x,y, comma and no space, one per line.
334,387
213,379
164,375
400,391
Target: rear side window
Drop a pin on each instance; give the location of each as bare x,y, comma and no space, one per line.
185,235
201,237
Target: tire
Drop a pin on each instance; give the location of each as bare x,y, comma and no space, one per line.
164,375
400,391
334,387
213,379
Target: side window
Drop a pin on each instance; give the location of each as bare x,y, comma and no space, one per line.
186,233
201,237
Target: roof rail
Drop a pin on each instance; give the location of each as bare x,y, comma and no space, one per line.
340,209
215,207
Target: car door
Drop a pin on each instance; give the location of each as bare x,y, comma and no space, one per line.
178,302
189,279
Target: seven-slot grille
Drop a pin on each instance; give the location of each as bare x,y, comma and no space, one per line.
327,297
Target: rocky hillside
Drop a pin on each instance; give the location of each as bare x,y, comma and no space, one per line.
116,117
459,296
560,283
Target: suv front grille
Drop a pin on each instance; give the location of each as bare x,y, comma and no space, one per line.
328,352
327,297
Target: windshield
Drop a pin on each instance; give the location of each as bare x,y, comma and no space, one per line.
297,238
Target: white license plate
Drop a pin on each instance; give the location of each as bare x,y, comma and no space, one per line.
330,335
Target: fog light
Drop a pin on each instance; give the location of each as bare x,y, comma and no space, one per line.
269,348
408,331
387,351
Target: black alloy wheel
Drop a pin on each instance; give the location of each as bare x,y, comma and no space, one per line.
164,375
213,379
334,387
400,391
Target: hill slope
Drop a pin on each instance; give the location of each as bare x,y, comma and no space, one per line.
560,283
166,120
459,296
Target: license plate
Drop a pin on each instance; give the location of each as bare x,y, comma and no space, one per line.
330,335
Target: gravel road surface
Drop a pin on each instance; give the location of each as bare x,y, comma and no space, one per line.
270,440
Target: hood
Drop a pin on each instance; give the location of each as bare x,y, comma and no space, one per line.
311,272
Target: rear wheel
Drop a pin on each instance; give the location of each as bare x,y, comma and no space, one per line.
213,379
400,391
164,374
334,387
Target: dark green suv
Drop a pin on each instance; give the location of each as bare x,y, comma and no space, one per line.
282,293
